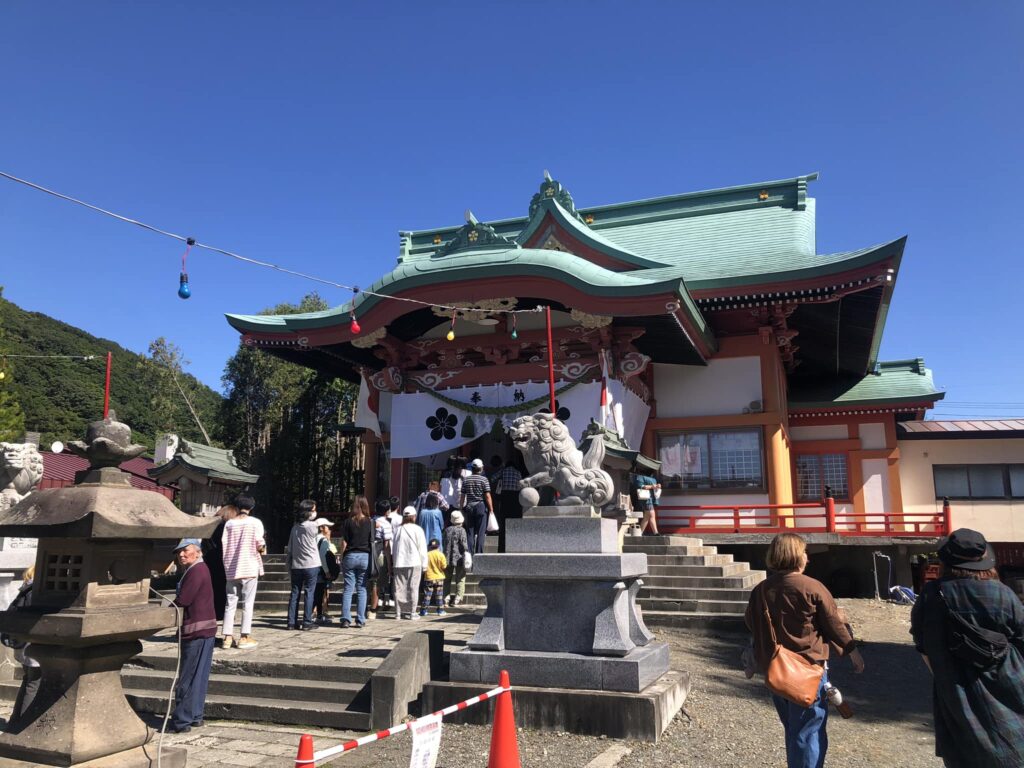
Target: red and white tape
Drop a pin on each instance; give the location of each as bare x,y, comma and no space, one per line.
323,754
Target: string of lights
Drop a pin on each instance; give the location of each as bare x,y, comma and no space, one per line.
184,288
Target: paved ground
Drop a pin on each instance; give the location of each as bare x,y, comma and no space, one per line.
328,644
732,720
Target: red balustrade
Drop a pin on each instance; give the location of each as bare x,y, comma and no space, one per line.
811,517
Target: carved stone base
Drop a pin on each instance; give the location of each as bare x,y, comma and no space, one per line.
140,757
80,712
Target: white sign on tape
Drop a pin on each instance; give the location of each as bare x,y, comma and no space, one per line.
426,741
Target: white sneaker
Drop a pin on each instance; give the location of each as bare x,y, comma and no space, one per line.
228,642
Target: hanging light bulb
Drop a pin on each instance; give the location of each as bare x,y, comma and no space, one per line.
354,325
184,290
515,333
451,331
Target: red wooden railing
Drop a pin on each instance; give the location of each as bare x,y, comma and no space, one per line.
811,517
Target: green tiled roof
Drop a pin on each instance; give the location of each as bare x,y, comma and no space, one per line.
217,463
900,381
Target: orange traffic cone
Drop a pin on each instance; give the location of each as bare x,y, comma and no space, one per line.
305,757
504,746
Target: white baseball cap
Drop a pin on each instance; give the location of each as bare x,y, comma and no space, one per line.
321,521
476,463
409,511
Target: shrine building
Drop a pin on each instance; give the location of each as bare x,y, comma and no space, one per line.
733,353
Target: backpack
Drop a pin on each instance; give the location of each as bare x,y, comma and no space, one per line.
981,648
333,563
20,601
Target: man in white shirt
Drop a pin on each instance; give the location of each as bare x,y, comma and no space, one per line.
243,543
409,549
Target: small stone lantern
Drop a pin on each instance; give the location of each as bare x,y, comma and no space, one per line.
90,607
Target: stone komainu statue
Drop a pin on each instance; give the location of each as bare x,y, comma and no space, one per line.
21,469
552,459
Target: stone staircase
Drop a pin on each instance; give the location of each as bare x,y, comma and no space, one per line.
334,695
331,695
691,586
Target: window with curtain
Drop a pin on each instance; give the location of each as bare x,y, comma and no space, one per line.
709,460
814,471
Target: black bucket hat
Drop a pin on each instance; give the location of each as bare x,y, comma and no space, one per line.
967,549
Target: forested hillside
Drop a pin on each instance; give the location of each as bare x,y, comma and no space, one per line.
58,397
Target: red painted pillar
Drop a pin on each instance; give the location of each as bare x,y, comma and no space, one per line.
947,517
551,363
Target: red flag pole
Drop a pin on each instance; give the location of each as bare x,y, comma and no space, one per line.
106,391
551,362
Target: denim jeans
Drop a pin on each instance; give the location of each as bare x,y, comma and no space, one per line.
193,680
302,578
476,526
354,565
806,737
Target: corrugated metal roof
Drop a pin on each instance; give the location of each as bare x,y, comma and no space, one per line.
59,470
961,429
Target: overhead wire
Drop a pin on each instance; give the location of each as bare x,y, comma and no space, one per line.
248,260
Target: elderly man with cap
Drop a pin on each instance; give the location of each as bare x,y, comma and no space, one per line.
970,629
194,596
409,552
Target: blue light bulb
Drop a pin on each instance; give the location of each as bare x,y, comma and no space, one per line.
515,334
183,290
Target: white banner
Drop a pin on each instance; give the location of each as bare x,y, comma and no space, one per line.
426,741
422,426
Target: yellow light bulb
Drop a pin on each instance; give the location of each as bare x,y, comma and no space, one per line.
2,375
451,336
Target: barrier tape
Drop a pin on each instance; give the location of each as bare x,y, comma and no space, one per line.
369,738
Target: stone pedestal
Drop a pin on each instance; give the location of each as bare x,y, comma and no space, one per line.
561,608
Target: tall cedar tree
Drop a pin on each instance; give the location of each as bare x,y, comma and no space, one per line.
283,422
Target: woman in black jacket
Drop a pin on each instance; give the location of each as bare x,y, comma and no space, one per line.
970,629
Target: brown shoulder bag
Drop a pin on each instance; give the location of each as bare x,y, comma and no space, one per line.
789,674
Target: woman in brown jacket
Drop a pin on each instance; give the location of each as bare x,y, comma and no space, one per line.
806,621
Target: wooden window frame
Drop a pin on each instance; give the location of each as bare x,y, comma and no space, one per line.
819,452
763,488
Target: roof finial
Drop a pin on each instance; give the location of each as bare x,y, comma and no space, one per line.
547,175
470,218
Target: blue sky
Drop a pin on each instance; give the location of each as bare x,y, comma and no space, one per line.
309,134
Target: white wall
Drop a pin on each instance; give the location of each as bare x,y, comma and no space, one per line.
819,432
724,386
876,490
872,437
999,520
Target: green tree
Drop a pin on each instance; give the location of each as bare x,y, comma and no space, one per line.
12,419
176,398
285,423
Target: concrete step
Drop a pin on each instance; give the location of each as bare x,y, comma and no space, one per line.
316,713
661,549
744,580
670,539
714,594
697,623
688,560
734,607
728,569
351,695
236,663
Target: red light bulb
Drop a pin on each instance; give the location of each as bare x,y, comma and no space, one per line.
354,327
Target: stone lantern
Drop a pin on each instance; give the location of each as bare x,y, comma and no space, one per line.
90,608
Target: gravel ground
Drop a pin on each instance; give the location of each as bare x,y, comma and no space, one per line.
733,721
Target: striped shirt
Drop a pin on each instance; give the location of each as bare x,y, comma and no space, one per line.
243,536
474,488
